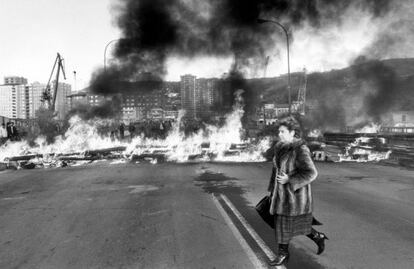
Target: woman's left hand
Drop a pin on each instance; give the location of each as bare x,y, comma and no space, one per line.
282,178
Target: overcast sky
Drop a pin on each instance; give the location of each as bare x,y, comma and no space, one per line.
33,31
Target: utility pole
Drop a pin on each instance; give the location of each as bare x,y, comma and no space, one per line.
106,47
288,57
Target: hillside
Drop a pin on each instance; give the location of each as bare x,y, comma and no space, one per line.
352,96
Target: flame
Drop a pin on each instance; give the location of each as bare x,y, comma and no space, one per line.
223,144
369,129
362,150
81,136
315,133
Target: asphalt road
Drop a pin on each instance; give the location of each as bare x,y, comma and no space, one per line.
178,216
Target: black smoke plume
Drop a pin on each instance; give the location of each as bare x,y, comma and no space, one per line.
233,83
107,109
152,30
329,94
363,93
382,83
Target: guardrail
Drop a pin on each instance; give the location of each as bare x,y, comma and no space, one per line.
393,130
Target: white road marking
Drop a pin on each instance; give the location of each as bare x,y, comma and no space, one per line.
269,253
13,198
142,188
156,212
257,263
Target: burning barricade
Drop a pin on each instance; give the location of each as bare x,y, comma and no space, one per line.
349,147
366,149
83,143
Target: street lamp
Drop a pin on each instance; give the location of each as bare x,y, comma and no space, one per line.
288,60
109,43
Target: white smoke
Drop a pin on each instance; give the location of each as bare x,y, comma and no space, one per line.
395,33
336,45
330,46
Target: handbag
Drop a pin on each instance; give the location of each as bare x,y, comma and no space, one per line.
263,207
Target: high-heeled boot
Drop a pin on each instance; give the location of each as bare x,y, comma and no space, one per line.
282,256
319,239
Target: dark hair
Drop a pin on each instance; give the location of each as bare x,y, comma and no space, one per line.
292,125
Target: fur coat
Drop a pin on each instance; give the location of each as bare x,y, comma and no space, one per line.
295,197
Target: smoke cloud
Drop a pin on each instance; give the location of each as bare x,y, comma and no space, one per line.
324,34
107,109
395,33
381,84
153,30
363,93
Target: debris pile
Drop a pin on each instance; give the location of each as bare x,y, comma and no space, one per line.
50,160
366,149
82,143
141,153
350,147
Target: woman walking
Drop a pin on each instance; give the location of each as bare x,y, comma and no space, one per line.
290,191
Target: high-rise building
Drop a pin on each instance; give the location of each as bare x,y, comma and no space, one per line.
189,95
198,96
18,100
62,104
14,80
206,94
8,101
36,90
15,101
15,98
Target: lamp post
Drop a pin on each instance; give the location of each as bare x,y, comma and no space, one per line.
288,58
106,47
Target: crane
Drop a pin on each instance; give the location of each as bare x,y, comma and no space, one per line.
47,95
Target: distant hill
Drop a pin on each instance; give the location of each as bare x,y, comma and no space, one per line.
275,87
360,93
